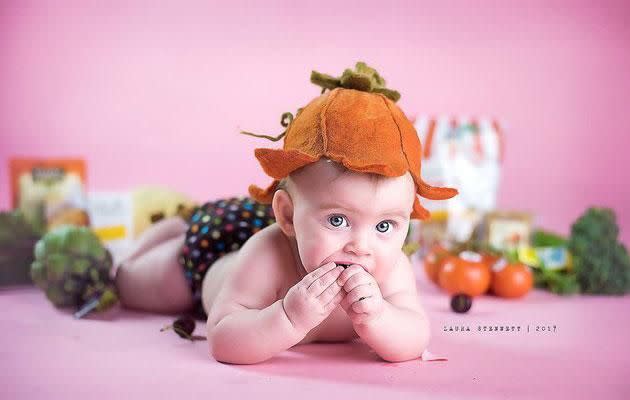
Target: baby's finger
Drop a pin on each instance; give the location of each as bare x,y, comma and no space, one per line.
361,291
364,306
356,280
344,303
334,303
319,285
336,300
350,271
317,273
330,292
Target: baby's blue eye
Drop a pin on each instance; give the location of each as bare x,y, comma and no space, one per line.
383,226
336,220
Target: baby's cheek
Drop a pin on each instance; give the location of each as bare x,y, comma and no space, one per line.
314,250
307,248
386,264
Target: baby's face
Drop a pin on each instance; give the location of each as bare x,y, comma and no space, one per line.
350,217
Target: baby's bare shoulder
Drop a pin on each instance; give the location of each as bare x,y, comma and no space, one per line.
400,286
256,273
401,278
268,249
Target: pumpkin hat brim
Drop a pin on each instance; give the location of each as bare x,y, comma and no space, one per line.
365,131
281,163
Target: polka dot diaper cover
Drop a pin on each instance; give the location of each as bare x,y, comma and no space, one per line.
217,228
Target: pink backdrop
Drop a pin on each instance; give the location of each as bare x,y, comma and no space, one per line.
156,95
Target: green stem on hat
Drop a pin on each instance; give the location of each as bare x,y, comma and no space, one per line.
272,138
325,81
362,78
286,115
391,94
283,121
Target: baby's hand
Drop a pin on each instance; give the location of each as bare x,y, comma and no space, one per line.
312,299
363,301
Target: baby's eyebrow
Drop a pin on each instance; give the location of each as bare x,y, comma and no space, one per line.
395,212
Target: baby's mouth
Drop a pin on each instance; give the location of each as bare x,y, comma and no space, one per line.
343,265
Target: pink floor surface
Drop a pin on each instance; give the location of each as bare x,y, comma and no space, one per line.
46,354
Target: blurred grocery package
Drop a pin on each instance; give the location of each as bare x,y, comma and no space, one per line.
49,191
120,218
464,153
111,216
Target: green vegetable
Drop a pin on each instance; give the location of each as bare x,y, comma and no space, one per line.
477,246
17,239
72,267
601,262
559,282
541,238
410,248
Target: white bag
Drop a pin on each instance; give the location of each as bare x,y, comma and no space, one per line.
466,154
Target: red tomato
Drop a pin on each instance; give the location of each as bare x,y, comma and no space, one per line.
433,262
490,259
466,273
511,280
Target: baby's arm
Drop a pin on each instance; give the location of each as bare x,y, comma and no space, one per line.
248,336
402,331
247,322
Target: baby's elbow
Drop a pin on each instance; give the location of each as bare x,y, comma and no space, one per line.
216,346
221,356
218,349
230,357
219,352
411,352
424,339
225,351
213,350
404,355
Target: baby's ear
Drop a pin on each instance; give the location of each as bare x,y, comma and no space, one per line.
282,205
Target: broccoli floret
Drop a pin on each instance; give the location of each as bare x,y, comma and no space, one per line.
601,263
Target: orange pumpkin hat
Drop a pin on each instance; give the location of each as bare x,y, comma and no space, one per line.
355,123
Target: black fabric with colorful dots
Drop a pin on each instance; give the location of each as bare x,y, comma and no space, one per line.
215,229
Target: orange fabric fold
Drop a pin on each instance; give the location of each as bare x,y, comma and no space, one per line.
365,132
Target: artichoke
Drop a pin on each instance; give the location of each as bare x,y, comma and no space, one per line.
72,267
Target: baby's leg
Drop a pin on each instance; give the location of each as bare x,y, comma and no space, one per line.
157,233
154,280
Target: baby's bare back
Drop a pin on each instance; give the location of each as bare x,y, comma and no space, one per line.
237,280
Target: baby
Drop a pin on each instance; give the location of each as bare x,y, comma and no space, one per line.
331,268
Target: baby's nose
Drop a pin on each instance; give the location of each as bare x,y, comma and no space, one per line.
358,245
